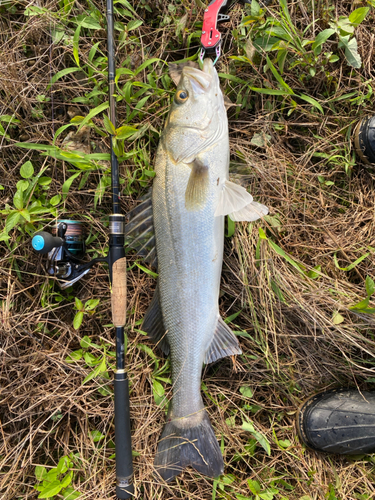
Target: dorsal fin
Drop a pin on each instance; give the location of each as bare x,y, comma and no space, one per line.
139,230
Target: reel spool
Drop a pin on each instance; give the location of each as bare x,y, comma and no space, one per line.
65,248
364,139
74,236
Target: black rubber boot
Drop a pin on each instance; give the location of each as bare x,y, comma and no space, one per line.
339,421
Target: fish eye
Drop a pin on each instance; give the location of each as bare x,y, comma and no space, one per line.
181,96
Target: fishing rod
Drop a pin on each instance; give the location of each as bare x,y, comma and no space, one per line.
65,250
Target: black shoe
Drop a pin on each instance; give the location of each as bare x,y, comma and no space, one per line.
339,421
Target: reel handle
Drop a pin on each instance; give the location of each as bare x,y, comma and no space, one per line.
44,242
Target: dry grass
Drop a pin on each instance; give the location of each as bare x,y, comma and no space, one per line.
290,342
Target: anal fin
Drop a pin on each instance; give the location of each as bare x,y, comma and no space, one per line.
153,323
223,344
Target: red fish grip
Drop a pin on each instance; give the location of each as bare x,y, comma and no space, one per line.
211,36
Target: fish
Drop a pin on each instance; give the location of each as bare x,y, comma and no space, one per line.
179,228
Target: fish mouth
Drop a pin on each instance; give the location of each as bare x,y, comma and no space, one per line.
199,80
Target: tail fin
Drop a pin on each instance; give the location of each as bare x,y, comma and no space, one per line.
189,441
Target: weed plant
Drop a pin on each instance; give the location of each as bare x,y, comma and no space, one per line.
297,287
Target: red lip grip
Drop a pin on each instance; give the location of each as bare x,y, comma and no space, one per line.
211,36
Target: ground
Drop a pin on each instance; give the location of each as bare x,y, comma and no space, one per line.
299,75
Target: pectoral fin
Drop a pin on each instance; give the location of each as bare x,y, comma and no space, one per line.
153,323
197,187
223,344
250,213
236,202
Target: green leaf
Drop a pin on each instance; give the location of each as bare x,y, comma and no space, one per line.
260,140
254,486
62,73
78,304
12,220
63,465
370,286
361,305
352,266
312,101
18,199
88,22
40,472
71,494
77,321
321,38
262,440
351,51
2,132
60,130
74,356
52,489
233,316
132,25
124,132
91,304
44,181
358,15
27,170
66,186
147,271
102,367
146,64
337,318
269,91
370,310
110,128
76,44
90,359
22,185
67,479
85,342
315,272
97,436
231,227
283,254
9,119
158,391
94,112
55,200
123,71
26,214
51,475
284,6
246,391
278,76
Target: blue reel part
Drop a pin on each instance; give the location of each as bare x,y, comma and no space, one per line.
44,242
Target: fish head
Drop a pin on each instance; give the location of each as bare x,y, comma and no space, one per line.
198,117
198,99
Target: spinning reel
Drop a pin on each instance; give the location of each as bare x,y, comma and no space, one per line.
65,250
